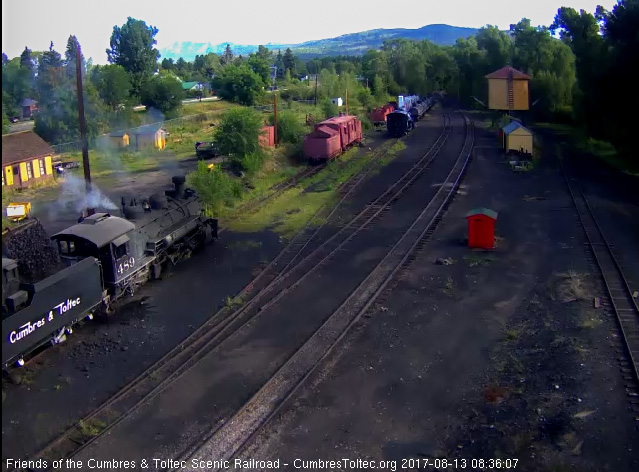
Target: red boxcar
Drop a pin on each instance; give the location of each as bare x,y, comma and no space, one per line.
378,115
331,137
267,136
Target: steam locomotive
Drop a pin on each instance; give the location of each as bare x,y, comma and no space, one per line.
105,258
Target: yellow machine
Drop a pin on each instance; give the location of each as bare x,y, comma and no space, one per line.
211,167
18,211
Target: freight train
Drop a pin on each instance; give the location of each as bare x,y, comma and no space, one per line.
106,257
332,137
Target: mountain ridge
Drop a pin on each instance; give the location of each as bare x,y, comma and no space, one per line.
346,44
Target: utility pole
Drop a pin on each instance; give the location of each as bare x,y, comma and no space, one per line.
275,117
83,123
316,74
347,101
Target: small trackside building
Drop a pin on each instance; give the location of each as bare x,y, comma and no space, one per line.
481,228
517,137
26,159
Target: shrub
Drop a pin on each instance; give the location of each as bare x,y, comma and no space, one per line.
238,132
329,109
214,187
289,128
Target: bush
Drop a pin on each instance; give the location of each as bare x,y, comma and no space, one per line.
237,134
329,109
289,128
214,187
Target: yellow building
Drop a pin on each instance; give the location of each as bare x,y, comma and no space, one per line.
508,89
148,136
119,138
26,159
516,137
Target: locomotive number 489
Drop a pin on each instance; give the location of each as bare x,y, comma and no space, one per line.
125,264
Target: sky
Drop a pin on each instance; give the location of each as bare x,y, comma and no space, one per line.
35,23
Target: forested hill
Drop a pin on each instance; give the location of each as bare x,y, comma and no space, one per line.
348,44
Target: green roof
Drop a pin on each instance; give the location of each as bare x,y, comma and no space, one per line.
188,85
482,211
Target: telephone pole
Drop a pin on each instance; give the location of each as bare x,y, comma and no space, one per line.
316,74
275,117
83,123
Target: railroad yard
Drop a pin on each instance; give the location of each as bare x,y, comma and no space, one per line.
375,333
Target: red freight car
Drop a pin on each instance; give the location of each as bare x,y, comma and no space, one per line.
378,115
331,137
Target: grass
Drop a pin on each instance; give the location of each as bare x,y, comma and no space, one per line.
91,428
475,260
571,287
290,211
602,150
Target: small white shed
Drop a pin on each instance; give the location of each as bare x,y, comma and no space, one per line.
337,101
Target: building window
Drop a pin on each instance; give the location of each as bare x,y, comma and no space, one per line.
29,170
41,162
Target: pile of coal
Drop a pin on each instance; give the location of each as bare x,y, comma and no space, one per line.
35,253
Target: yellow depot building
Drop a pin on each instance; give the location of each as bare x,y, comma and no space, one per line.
508,89
26,159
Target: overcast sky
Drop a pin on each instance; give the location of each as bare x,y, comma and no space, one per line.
34,23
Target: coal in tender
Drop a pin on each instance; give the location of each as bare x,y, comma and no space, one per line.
35,253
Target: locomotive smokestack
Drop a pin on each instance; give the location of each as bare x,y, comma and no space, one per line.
178,182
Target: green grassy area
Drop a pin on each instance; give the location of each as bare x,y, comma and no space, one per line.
600,149
293,209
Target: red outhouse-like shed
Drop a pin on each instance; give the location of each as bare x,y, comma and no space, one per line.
481,228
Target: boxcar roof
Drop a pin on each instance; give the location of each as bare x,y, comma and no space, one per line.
339,119
100,229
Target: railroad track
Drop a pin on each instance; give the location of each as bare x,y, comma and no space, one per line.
211,333
198,363
227,441
620,295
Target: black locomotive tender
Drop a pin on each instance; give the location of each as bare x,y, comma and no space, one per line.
106,257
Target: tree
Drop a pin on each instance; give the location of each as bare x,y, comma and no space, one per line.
5,59
288,62
227,57
51,76
70,57
167,64
132,48
239,84
163,92
238,132
279,63
263,53
260,67
6,124
112,83
16,86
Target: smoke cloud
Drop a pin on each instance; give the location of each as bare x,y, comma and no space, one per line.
73,195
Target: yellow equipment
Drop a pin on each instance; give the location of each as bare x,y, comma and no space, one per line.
18,211
211,167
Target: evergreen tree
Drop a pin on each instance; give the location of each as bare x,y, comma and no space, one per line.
227,57
70,57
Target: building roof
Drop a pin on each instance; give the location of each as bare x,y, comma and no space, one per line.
100,229
482,211
28,102
189,85
19,147
118,134
147,129
512,126
505,71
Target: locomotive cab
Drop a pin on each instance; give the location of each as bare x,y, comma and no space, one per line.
104,237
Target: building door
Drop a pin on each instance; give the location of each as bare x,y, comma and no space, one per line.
17,178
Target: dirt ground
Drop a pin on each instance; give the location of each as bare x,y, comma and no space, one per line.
499,354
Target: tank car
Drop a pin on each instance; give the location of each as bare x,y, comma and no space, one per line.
106,257
399,123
